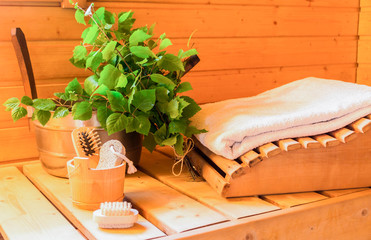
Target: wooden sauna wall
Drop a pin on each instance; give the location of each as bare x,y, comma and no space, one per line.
245,46
364,44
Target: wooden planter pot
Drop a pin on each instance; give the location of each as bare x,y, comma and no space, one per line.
55,145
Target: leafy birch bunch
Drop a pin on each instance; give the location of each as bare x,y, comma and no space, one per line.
134,86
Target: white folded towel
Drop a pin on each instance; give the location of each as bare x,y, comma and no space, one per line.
305,107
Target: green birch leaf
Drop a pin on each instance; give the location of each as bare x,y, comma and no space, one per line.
191,109
160,134
163,36
124,16
109,18
122,82
44,104
142,52
145,99
84,33
165,43
11,103
162,94
171,62
173,108
130,125
94,61
178,146
151,29
149,142
170,141
116,122
109,50
109,76
79,53
82,111
92,35
18,113
191,130
189,53
73,87
116,101
60,112
102,114
27,101
158,78
138,36
180,53
91,84
98,16
101,90
183,87
142,125
43,116
182,104
80,16
178,126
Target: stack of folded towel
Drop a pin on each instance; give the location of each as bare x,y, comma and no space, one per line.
305,107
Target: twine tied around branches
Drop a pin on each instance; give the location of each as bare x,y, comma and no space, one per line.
179,159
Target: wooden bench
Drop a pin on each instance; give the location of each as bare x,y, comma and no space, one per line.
178,208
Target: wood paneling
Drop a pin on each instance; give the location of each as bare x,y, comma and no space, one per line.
364,44
246,46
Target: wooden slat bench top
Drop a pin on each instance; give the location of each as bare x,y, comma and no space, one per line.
178,208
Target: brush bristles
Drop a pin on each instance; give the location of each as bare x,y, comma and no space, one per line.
115,208
89,142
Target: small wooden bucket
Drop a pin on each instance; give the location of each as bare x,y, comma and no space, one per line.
90,187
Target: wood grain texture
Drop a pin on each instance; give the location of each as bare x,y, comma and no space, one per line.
159,166
327,219
293,199
17,143
166,208
26,213
208,19
58,192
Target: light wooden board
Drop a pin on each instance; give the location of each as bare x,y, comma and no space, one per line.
58,192
168,209
209,20
340,192
159,166
273,52
324,3
17,143
293,199
364,73
342,218
26,213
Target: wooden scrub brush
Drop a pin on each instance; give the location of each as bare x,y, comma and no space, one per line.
87,143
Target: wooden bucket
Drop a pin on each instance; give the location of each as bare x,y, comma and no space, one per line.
90,187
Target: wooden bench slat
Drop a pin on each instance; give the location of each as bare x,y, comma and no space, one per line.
308,142
340,192
288,144
165,207
251,158
326,140
26,214
58,192
293,199
269,150
344,135
230,167
362,125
